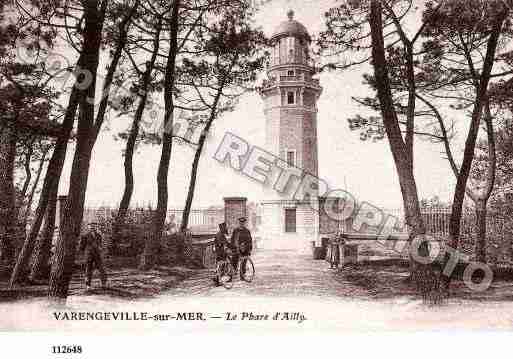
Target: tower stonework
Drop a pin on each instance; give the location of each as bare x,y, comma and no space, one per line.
290,96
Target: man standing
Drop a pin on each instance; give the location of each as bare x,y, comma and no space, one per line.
242,242
91,243
220,244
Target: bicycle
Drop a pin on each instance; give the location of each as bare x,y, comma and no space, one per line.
225,270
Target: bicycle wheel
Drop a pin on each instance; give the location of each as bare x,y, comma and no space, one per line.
225,274
247,269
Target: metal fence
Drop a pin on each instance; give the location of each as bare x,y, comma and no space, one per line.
200,220
437,220
499,225
205,220
499,230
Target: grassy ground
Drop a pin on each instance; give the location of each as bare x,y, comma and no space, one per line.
125,280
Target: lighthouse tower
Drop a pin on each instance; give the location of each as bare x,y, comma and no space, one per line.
290,97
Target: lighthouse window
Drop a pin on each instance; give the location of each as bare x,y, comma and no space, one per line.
291,55
290,98
291,158
290,220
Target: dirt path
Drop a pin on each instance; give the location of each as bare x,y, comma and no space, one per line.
287,273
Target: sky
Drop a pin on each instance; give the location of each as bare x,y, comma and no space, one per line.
366,169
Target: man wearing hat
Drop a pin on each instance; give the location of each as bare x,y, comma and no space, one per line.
91,243
241,241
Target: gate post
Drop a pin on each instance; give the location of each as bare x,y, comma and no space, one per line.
234,208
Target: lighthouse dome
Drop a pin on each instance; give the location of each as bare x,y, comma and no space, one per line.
291,27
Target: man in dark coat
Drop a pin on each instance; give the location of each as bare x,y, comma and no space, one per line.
241,241
220,244
91,243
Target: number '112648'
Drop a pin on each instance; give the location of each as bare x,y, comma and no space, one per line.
66,349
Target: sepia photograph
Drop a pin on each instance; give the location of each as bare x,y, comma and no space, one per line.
277,166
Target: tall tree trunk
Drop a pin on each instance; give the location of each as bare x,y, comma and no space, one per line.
192,185
64,258
87,134
50,185
120,45
22,196
41,258
151,248
7,194
28,174
481,231
132,141
197,156
402,152
481,199
34,188
470,143
149,256
121,41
